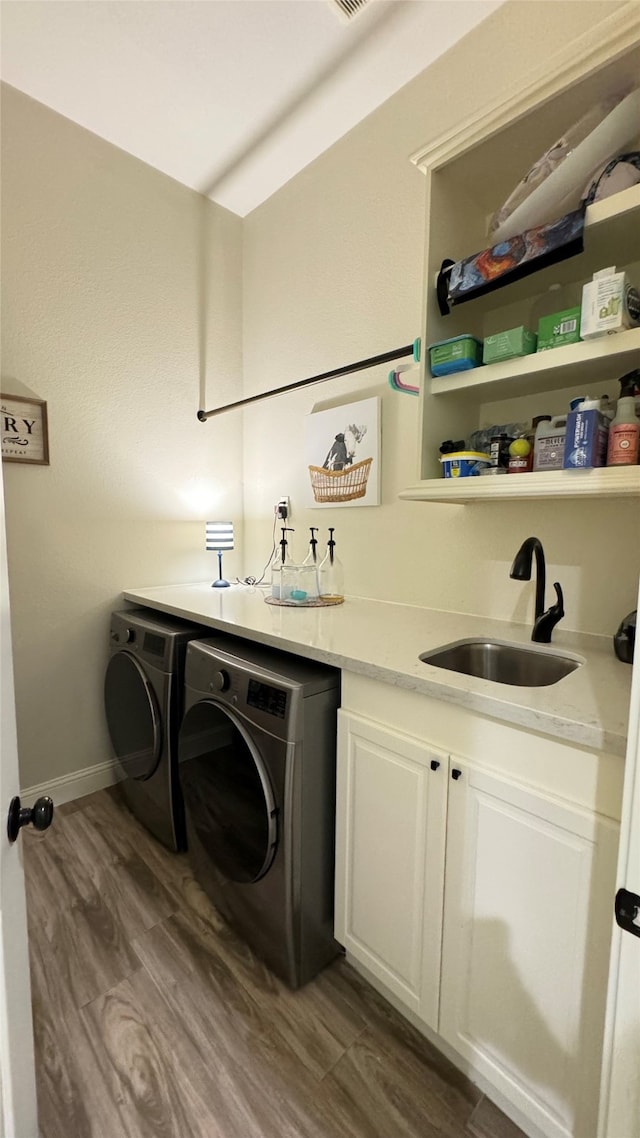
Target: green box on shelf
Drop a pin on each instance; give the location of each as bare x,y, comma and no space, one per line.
509,345
558,329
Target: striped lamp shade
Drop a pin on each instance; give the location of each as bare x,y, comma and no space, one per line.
219,536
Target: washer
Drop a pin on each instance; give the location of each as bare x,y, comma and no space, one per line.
257,755
143,696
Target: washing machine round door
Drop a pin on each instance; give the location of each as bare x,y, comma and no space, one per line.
227,792
133,716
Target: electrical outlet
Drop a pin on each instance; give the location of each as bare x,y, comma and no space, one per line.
283,509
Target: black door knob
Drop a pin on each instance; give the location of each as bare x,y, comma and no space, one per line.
455,773
40,816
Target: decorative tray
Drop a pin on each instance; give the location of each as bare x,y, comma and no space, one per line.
319,603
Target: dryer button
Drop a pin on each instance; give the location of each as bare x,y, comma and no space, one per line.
125,636
221,681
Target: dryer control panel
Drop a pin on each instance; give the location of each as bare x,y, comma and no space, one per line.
266,698
266,687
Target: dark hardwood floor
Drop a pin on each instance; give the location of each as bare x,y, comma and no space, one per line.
153,1020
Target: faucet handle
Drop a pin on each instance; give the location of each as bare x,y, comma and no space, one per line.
546,623
559,605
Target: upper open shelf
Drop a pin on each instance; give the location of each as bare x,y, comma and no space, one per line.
590,361
604,482
611,237
469,171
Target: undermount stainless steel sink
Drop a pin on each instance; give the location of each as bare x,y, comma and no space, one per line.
503,663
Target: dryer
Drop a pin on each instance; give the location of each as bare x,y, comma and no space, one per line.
143,697
257,756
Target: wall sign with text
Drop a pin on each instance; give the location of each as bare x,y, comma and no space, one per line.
24,429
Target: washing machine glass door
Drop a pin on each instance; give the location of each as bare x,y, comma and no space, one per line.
133,716
227,792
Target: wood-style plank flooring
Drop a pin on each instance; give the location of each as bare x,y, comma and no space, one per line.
153,1020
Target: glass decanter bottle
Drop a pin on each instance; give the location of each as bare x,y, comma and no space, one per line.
331,573
281,558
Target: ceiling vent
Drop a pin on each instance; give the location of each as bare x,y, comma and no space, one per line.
347,10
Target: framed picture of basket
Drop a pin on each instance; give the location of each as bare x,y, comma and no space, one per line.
342,452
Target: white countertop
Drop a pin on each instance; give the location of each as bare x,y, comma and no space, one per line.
589,707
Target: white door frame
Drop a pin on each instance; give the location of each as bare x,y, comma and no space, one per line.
18,1111
620,1090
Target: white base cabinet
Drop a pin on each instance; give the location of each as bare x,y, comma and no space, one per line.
390,838
527,915
483,905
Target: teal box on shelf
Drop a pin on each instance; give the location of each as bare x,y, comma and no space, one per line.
460,353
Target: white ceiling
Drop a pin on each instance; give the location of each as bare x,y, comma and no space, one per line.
230,97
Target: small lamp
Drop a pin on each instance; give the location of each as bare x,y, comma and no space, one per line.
219,538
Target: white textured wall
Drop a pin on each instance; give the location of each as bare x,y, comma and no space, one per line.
121,295
122,307
333,273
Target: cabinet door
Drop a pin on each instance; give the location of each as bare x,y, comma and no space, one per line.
391,807
528,887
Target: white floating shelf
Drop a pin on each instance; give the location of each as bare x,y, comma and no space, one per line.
590,361
617,207
609,482
611,227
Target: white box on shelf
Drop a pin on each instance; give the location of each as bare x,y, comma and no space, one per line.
609,304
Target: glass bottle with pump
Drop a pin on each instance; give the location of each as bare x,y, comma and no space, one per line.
331,573
312,555
307,588
281,558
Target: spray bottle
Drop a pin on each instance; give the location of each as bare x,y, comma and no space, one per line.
624,432
331,573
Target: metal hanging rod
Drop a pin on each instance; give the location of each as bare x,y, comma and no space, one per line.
361,365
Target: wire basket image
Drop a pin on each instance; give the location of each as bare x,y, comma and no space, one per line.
340,485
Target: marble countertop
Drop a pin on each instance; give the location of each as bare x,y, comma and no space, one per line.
382,640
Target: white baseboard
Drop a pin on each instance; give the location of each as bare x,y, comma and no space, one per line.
74,785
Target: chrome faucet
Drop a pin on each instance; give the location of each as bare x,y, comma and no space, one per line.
543,622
